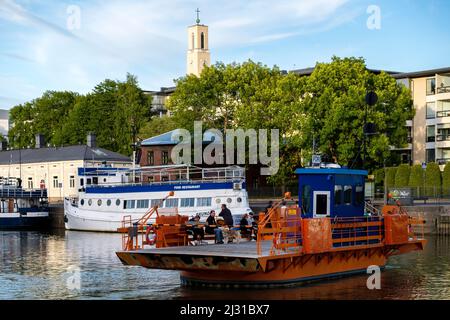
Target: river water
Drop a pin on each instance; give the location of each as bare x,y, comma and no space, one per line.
83,265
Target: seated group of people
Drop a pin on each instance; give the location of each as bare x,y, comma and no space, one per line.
214,225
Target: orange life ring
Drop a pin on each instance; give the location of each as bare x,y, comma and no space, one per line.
150,235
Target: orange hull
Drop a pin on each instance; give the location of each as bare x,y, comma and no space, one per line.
270,271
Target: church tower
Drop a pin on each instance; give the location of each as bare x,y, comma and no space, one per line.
198,52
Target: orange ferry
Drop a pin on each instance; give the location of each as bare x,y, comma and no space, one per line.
330,232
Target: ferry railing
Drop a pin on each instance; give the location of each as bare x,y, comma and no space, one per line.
282,225
354,231
132,229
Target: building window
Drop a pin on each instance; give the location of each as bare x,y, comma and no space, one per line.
171,203
337,195
431,110
55,182
431,136
150,158
187,202
142,204
165,157
72,181
431,155
30,183
431,86
203,202
202,40
347,194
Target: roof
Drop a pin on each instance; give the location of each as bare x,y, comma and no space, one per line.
77,152
309,71
419,74
331,171
173,138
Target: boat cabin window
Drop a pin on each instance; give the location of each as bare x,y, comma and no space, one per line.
88,181
90,202
171,203
239,199
129,204
81,182
203,202
337,195
187,202
359,195
347,194
142,204
155,202
82,202
95,180
108,202
306,199
118,202
99,202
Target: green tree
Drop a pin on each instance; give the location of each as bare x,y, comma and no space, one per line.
433,179
390,176
156,126
45,115
402,175
336,103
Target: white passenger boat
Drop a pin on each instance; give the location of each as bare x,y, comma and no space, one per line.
108,194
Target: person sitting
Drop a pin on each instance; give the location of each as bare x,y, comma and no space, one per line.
197,231
226,215
245,228
212,227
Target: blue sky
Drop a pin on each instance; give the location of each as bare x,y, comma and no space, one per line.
38,51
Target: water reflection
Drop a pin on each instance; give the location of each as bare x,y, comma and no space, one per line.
37,265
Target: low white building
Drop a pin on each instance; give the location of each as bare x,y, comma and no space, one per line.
56,168
4,122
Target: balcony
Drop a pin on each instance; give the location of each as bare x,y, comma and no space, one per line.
445,89
443,137
441,114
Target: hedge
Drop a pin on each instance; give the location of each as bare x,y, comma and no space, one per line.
390,176
402,176
433,179
416,177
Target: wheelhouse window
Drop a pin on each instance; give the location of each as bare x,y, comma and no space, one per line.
203,202
337,195
347,195
171,203
142,204
359,195
306,198
129,204
187,202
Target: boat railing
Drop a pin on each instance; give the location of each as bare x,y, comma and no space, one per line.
22,193
355,231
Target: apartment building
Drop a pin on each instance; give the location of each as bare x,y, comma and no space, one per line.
430,129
